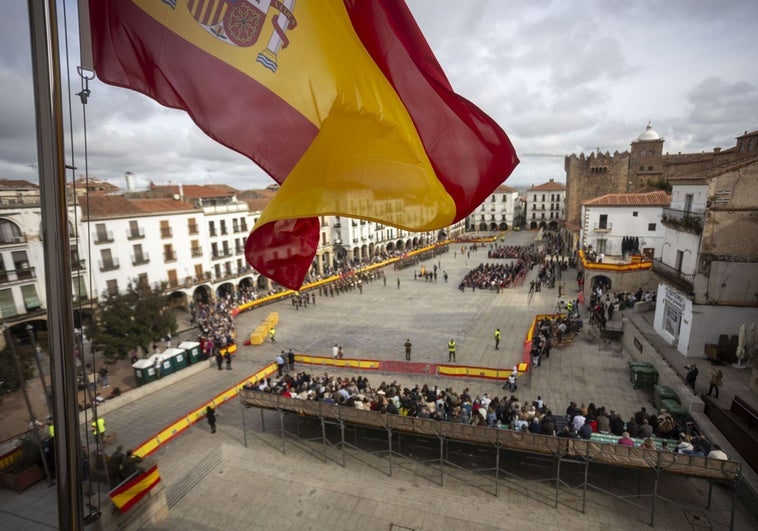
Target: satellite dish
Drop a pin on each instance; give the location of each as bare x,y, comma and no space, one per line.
176,197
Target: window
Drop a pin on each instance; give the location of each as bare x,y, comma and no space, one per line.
9,232
649,168
672,319
603,221
80,287
31,300
165,229
112,288
679,261
651,227
688,202
212,228
7,304
642,168
192,226
169,255
634,214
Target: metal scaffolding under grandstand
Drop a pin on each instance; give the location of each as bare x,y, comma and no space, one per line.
550,469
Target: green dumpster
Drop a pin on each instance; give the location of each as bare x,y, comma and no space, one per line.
178,357
633,364
645,377
192,348
144,371
675,409
663,392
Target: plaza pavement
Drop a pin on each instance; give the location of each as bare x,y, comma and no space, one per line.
258,487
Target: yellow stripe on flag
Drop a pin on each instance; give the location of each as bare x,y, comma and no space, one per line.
323,55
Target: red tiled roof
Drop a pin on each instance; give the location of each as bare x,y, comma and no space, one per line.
197,191
656,198
503,189
162,205
14,184
114,206
550,186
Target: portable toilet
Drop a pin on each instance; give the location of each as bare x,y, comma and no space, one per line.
178,357
192,348
144,371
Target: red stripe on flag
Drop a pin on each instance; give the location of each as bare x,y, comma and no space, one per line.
470,153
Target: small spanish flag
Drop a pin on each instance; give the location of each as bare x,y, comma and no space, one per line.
128,494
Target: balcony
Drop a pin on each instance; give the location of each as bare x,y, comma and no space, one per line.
338,225
243,227
140,259
78,265
603,227
169,256
108,265
104,237
239,249
166,232
673,276
213,232
684,220
192,228
197,252
136,234
224,231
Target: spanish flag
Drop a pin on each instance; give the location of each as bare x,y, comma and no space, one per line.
341,102
128,494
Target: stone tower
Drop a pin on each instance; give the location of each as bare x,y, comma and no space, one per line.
645,159
592,176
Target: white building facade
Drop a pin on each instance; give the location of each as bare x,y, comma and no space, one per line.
619,224
546,205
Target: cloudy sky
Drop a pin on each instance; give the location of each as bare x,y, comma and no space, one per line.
560,77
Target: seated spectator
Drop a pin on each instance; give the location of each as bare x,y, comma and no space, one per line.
648,443
585,431
645,430
625,440
717,453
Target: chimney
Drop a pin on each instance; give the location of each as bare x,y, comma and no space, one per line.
181,191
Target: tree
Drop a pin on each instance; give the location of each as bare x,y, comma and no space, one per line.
136,318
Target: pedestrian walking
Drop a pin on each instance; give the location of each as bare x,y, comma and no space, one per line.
219,360
716,377
291,359
340,354
280,364
398,282
228,360
692,372
498,335
272,334
210,415
408,347
451,350
335,351
103,376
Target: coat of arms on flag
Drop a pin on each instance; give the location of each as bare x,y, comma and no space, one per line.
240,22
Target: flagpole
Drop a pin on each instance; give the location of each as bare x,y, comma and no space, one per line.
43,22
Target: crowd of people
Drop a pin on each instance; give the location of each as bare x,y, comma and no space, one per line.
468,407
215,323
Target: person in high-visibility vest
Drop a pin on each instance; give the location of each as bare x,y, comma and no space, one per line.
451,350
498,335
98,429
272,335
